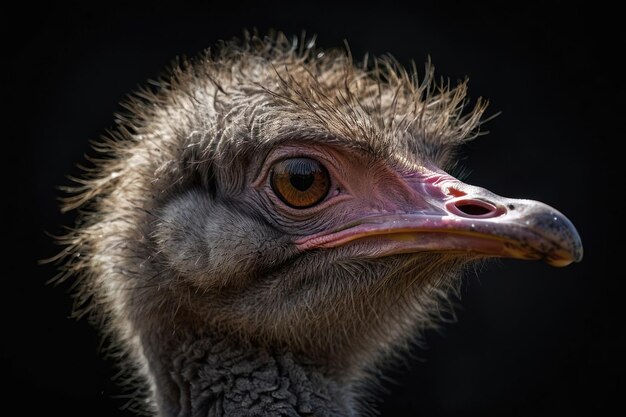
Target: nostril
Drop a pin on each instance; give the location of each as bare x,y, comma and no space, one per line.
476,208
472,209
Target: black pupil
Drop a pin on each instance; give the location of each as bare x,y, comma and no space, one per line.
301,182
302,174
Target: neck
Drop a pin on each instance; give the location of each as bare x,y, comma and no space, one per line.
217,378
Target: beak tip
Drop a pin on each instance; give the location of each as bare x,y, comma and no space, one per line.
566,258
567,246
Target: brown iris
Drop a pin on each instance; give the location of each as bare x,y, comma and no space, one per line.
300,182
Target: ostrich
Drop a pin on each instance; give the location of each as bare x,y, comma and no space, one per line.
271,222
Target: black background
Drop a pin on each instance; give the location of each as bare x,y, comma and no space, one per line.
530,339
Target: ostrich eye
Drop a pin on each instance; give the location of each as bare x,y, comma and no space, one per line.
300,182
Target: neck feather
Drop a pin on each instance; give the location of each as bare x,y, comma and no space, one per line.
211,377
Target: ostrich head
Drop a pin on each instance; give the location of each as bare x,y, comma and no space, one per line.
272,221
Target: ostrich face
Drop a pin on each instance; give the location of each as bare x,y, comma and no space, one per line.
316,232
292,199
320,240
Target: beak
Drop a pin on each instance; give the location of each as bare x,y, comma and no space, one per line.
447,215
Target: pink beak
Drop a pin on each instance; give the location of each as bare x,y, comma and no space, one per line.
450,216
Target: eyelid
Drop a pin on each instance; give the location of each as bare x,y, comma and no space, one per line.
273,158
